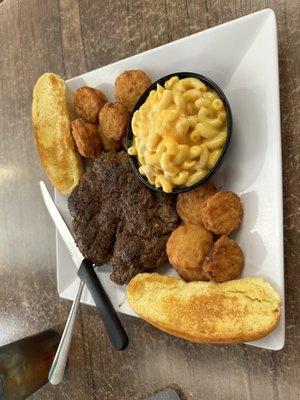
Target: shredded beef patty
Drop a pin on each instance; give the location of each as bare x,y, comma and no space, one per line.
118,220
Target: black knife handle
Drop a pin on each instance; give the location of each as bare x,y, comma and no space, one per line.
114,328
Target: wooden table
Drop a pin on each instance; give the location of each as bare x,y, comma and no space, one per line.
71,37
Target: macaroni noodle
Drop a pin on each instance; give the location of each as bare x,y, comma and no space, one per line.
179,133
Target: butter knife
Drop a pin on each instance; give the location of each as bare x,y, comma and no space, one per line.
87,274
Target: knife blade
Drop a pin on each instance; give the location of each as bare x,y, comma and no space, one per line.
87,274
61,226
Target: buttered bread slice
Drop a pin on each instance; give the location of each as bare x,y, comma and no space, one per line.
205,312
51,117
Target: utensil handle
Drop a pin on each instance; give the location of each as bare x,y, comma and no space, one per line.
58,366
114,328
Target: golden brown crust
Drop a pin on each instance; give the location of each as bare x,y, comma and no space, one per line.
205,312
222,213
52,128
192,274
189,204
114,119
108,145
88,103
186,249
129,86
87,138
224,261
236,339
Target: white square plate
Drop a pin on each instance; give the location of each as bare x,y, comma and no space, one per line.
241,56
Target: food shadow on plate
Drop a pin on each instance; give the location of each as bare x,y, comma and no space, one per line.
108,89
250,205
255,253
247,149
249,239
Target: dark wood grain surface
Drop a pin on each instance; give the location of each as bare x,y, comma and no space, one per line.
70,37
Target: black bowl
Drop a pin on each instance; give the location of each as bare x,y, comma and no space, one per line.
129,138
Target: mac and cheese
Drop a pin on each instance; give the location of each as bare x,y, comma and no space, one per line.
179,133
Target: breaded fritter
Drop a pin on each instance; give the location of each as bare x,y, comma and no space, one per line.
222,213
224,261
187,248
190,275
129,87
189,204
88,103
87,138
114,119
107,144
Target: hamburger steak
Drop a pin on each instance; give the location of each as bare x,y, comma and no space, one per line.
118,220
